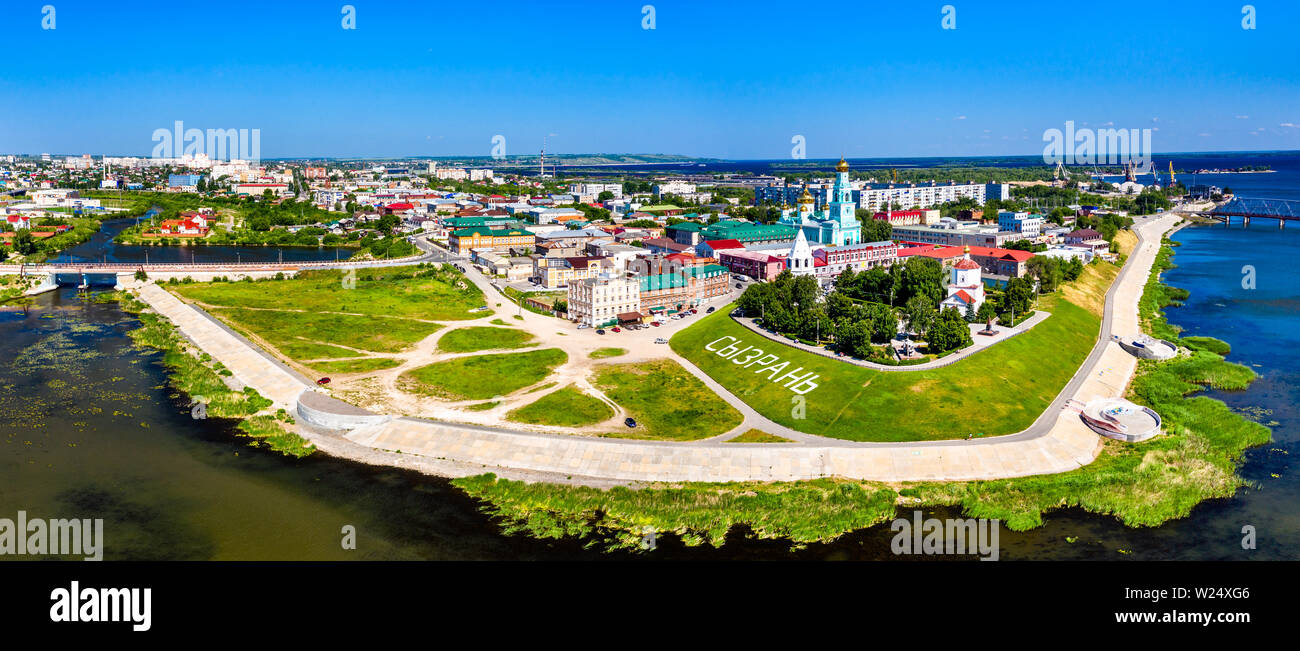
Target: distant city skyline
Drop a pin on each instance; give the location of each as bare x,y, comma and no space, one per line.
735,82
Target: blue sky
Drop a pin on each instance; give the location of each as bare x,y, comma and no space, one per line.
722,79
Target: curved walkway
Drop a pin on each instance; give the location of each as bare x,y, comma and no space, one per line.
981,342
1057,441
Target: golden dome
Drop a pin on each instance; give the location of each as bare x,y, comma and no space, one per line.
843,166
807,196
967,251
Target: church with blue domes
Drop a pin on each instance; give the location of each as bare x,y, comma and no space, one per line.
838,224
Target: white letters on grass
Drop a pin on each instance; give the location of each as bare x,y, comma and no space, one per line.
764,363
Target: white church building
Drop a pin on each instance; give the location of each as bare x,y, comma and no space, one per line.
966,288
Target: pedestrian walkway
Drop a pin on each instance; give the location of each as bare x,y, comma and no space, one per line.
1058,441
980,342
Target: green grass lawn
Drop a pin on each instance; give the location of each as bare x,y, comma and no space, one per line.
300,335
567,407
758,436
996,391
413,292
468,340
667,401
482,376
606,353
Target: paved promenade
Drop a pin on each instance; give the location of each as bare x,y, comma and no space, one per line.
249,365
1058,441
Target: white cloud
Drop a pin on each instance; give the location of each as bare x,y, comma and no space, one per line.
1290,125
1203,135
1243,117
1108,124
960,117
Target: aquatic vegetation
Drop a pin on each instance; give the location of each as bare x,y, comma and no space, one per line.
267,429
802,512
193,376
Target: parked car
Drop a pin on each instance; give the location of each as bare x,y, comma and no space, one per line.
694,311
661,340
583,325
709,311
600,331
323,380
630,422
617,329
654,323
737,285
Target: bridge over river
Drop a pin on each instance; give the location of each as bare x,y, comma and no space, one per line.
1245,209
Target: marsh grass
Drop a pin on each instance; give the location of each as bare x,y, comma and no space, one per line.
267,430
190,372
802,512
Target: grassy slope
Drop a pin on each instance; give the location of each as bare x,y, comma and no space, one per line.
668,402
968,397
302,335
483,376
468,340
567,407
758,436
413,292
359,365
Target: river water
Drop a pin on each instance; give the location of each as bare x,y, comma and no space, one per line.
101,248
90,429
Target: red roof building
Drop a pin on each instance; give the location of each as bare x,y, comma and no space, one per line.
994,261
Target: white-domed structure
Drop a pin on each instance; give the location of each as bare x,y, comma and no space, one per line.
966,287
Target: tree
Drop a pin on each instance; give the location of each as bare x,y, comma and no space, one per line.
1047,270
881,321
605,196
839,306
950,332
1018,295
987,311
921,276
874,230
919,312
24,243
853,338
